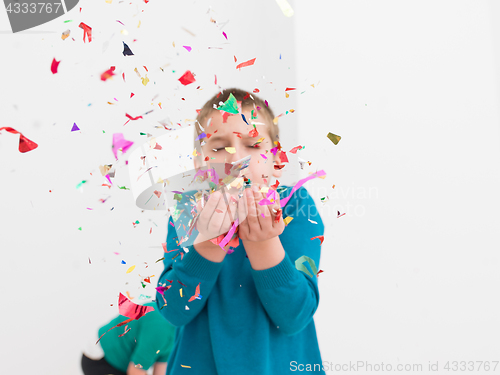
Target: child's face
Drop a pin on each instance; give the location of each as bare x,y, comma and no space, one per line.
261,169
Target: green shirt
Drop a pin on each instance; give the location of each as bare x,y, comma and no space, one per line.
150,340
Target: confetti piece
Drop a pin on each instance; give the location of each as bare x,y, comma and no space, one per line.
339,215
321,238
124,333
80,184
186,366
295,149
317,275
287,220
196,294
283,157
334,138
180,291
157,193
65,34
25,144
130,309
126,50
300,266
75,127
188,48
54,65
123,262
230,105
301,182
130,269
120,143
229,235
231,150
118,325
312,221
187,78
87,31
333,186
108,74
162,289
225,36
278,214
246,63
285,7
253,132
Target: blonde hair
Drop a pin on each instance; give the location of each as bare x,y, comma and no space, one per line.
247,101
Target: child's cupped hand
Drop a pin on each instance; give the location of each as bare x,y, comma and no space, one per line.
261,222
216,216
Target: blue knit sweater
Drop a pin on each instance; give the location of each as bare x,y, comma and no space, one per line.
246,321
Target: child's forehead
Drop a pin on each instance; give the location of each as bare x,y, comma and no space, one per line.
234,123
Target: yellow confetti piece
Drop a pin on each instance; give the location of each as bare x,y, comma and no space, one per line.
231,150
186,366
180,291
139,25
130,269
334,138
287,95
109,1
145,80
264,189
287,219
157,351
285,7
275,121
195,153
124,32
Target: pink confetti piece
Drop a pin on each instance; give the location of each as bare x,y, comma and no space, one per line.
188,48
120,142
225,36
320,173
132,310
229,235
264,156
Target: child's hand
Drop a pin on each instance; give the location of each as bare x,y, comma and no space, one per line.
215,217
262,222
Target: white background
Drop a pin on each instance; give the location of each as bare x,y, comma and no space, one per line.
411,271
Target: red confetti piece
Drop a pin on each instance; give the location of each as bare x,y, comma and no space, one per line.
246,63
108,74
87,31
295,149
181,283
196,293
317,275
187,78
289,88
278,214
25,144
246,96
321,238
283,157
132,310
253,133
133,118
339,215
157,193
118,325
215,78
53,67
275,186
256,91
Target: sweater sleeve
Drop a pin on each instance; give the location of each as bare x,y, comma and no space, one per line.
184,273
289,296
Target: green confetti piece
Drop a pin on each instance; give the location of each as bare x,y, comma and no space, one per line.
80,184
230,105
176,214
80,228
334,138
178,197
142,133
137,221
253,117
300,266
68,21
143,285
123,188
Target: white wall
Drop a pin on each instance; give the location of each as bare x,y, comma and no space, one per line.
411,272
53,298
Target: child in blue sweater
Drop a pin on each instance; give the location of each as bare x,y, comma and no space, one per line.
249,311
